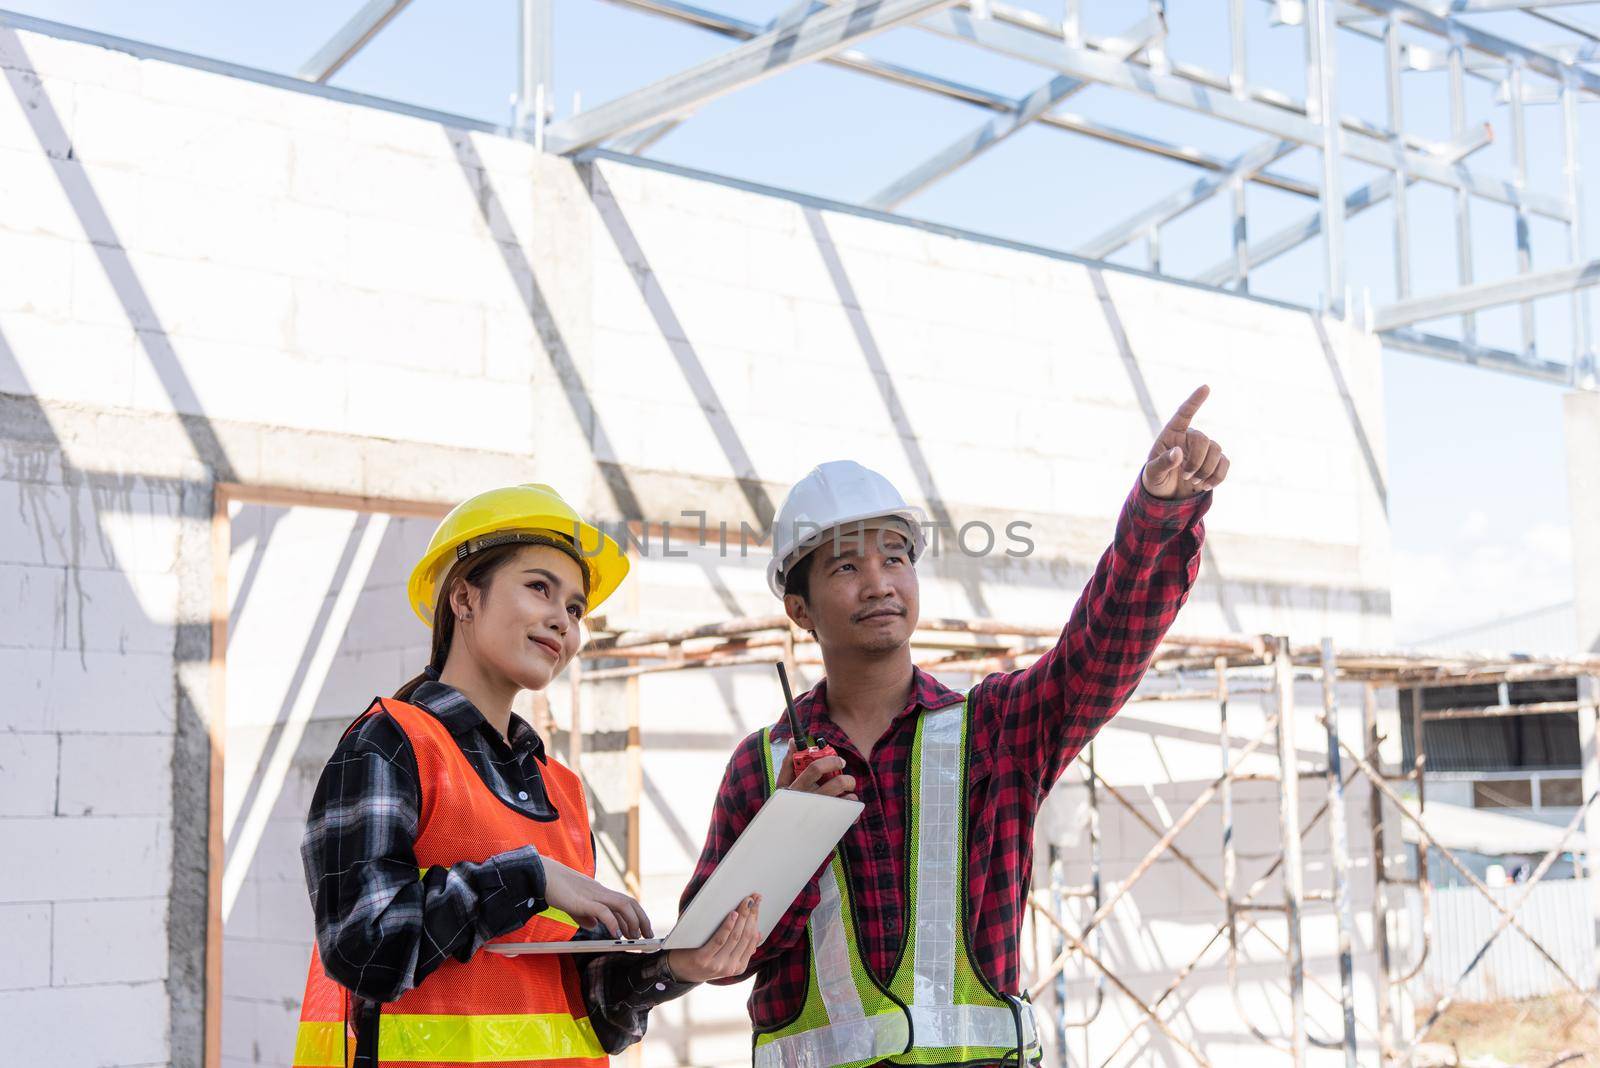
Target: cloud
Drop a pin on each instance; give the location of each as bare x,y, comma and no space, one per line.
1475,578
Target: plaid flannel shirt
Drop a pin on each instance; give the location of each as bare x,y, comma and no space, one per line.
382,931
1034,720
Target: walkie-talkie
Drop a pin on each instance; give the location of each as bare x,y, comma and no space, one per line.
812,752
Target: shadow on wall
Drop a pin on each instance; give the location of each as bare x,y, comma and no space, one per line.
56,144
672,332
526,282
889,395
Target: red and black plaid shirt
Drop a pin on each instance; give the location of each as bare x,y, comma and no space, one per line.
1037,720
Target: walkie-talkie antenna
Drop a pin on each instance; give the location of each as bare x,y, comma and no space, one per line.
796,735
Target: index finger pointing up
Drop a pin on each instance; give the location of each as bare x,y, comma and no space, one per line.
1186,411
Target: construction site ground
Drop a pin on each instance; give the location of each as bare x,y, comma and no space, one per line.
1536,1033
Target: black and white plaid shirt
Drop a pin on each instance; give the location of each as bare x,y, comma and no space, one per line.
381,930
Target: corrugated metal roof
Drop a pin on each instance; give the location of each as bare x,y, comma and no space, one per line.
1503,743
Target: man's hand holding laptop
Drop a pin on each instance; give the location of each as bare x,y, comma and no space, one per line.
727,953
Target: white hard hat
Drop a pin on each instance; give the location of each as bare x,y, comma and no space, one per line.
831,495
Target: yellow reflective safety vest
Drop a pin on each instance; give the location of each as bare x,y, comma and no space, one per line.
513,1012
936,1009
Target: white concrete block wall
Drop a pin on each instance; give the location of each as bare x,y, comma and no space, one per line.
178,242
87,562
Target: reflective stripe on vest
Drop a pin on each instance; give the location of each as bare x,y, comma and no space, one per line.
510,1011
417,1039
953,1018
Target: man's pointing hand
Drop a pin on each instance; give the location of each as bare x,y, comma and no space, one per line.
1184,462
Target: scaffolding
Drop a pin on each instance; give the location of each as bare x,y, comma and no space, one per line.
1211,670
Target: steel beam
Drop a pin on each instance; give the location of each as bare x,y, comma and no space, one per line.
535,68
640,140
1463,202
1486,295
1041,24
1005,39
1181,200
1298,233
1436,18
972,144
822,34
967,93
1576,237
1393,68
351,38
1465,7
1323,55
1519,161
1448,348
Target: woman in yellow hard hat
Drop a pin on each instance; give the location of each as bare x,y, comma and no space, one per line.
441,824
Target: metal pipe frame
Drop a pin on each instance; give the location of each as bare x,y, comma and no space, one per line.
350,38
1519,288
1061,45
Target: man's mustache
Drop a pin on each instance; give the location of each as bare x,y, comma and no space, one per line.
879,610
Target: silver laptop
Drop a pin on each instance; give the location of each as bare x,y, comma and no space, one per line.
776,856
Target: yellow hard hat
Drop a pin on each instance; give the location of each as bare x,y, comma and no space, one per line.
532,508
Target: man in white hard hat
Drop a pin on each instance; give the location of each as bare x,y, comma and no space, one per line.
905,950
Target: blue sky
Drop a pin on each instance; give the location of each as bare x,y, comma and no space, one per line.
1477,475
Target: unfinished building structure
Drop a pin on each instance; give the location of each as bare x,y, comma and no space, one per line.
256,334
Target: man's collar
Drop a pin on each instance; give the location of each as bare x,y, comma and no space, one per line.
926,692
460,716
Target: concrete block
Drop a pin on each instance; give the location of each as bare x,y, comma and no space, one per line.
115,775
172,84
511,158
36,200
257,1033
228,380
72,686
35,274
25,945
265,971
383,398
114,1025
128,131
33,114
283,913
28,774
83,363
215,302
27,711
36,596
88,858
117,612
109,942
393,183
347,323
403,257
398,133
512,349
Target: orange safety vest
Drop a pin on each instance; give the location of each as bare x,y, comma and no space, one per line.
514,1012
